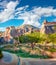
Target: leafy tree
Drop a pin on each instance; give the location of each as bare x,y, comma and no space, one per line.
33,37
24,39
52,38
30,38
55,27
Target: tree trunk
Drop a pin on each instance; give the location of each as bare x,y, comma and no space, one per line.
1,55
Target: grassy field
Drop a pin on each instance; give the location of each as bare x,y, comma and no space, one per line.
26,51
24,54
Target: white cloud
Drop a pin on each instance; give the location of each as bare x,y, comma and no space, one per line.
3,4
8,12
49,11
30,18
23,8
33,16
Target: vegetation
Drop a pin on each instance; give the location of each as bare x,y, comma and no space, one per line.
1,55
24,54
30,38
52,50
33,41
35,37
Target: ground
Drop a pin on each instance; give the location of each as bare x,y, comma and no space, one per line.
31,61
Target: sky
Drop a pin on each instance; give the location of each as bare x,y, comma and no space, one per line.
32,12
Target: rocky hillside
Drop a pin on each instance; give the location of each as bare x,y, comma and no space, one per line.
29,27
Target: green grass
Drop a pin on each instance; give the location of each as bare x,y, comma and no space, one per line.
24,54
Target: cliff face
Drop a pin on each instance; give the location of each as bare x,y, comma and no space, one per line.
24,29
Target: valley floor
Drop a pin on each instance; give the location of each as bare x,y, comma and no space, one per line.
31,61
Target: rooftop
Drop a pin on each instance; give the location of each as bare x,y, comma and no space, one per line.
48,23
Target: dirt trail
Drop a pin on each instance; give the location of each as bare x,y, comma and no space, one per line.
32,61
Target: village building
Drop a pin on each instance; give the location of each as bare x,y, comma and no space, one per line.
48,27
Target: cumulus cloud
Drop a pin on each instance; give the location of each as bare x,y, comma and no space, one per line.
8,11
3,4
33,16
30,18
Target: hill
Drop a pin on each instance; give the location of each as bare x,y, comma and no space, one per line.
29,27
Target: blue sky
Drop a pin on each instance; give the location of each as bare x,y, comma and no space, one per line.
19,12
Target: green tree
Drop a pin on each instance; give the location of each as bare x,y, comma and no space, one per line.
33,37
55,27
52,38
30,38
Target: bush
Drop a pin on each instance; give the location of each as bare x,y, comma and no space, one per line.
1,55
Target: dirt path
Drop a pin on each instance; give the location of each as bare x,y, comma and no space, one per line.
31,61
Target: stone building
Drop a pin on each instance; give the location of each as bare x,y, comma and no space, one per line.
48,27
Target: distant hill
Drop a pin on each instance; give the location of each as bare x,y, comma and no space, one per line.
29,26
26,25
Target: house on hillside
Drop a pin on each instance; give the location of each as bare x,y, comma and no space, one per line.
48,27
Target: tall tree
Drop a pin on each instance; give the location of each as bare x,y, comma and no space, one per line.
1,55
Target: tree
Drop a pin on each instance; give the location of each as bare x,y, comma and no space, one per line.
17,40
1,55
55,27
24,39
44,39
52,38
30,38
